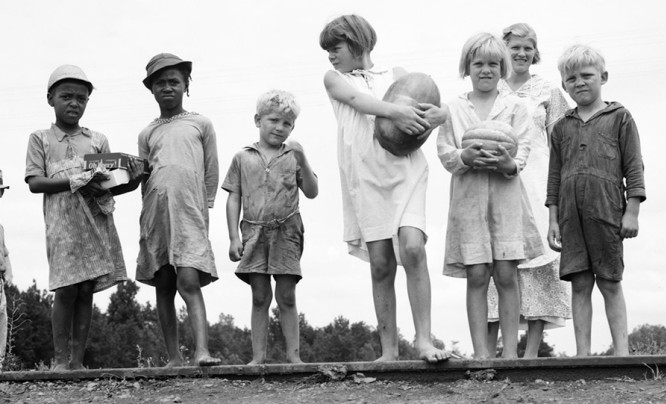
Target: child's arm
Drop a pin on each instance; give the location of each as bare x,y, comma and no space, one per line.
212,169
455,159
309,183
629,227
45,185
408,119
554,236
233,217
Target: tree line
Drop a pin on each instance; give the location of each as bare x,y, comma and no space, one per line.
128,335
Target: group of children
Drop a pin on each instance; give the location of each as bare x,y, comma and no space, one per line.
493,231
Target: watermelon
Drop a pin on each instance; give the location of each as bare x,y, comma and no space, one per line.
410,89
491,134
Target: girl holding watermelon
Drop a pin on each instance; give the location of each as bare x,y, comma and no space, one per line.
490,226
544,298
383,194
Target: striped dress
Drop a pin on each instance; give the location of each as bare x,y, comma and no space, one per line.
81,239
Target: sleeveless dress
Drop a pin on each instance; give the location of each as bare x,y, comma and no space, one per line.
381,192
543,295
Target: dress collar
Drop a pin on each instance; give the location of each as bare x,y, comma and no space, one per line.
60,134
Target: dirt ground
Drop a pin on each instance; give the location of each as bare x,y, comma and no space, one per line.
355,388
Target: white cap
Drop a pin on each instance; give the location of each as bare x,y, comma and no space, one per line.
68,72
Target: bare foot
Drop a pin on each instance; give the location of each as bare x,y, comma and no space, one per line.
78,366
61,367
386,358
175,363
433,355
295,361
207,360
257,362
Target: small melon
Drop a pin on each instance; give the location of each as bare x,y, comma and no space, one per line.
491,134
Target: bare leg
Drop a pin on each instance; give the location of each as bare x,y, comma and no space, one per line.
262,295
478,278
413,257
534,335
285,294
493,333
582,284
165,293
81,323
62,314
189,288
616,312
383,268
506,279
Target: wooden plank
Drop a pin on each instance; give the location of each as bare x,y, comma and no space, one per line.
589,368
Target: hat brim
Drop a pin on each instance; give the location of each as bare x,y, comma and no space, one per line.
163,64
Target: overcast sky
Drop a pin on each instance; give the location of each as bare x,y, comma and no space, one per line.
241,49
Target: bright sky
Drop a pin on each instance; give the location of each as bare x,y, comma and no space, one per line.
243,48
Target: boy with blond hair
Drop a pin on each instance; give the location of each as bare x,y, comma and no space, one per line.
595,187
264,179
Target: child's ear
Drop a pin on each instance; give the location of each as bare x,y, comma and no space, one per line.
257,120
604,77
49,98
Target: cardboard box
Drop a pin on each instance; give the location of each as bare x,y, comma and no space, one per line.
119,176
111,161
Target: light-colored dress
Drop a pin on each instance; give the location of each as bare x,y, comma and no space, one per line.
182,155
489,216
381,192
81,239
543,295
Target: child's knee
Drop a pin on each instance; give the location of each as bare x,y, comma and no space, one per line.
609,288
286,298
188,287
582,283
262,297
383,273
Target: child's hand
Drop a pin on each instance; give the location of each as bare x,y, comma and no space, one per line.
409,119
505,163
298,151
554,237
435,115
135,169
629,228
474,156
93,187
235,250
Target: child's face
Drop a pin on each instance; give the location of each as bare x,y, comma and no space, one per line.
168,88
583,84
69,101
522,53
274,128
342,59
485,72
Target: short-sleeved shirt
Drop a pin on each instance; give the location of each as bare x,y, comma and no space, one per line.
268,189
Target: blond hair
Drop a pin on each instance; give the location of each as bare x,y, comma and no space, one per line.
280,101
577,56
484,44
522,30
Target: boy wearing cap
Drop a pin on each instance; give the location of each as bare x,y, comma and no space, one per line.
5,276
82,244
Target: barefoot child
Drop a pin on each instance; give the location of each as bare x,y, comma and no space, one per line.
175,254
490,226
5,276
82,244
383,195
595,163
264,179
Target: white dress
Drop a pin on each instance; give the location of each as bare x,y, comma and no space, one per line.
543,295
380,192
